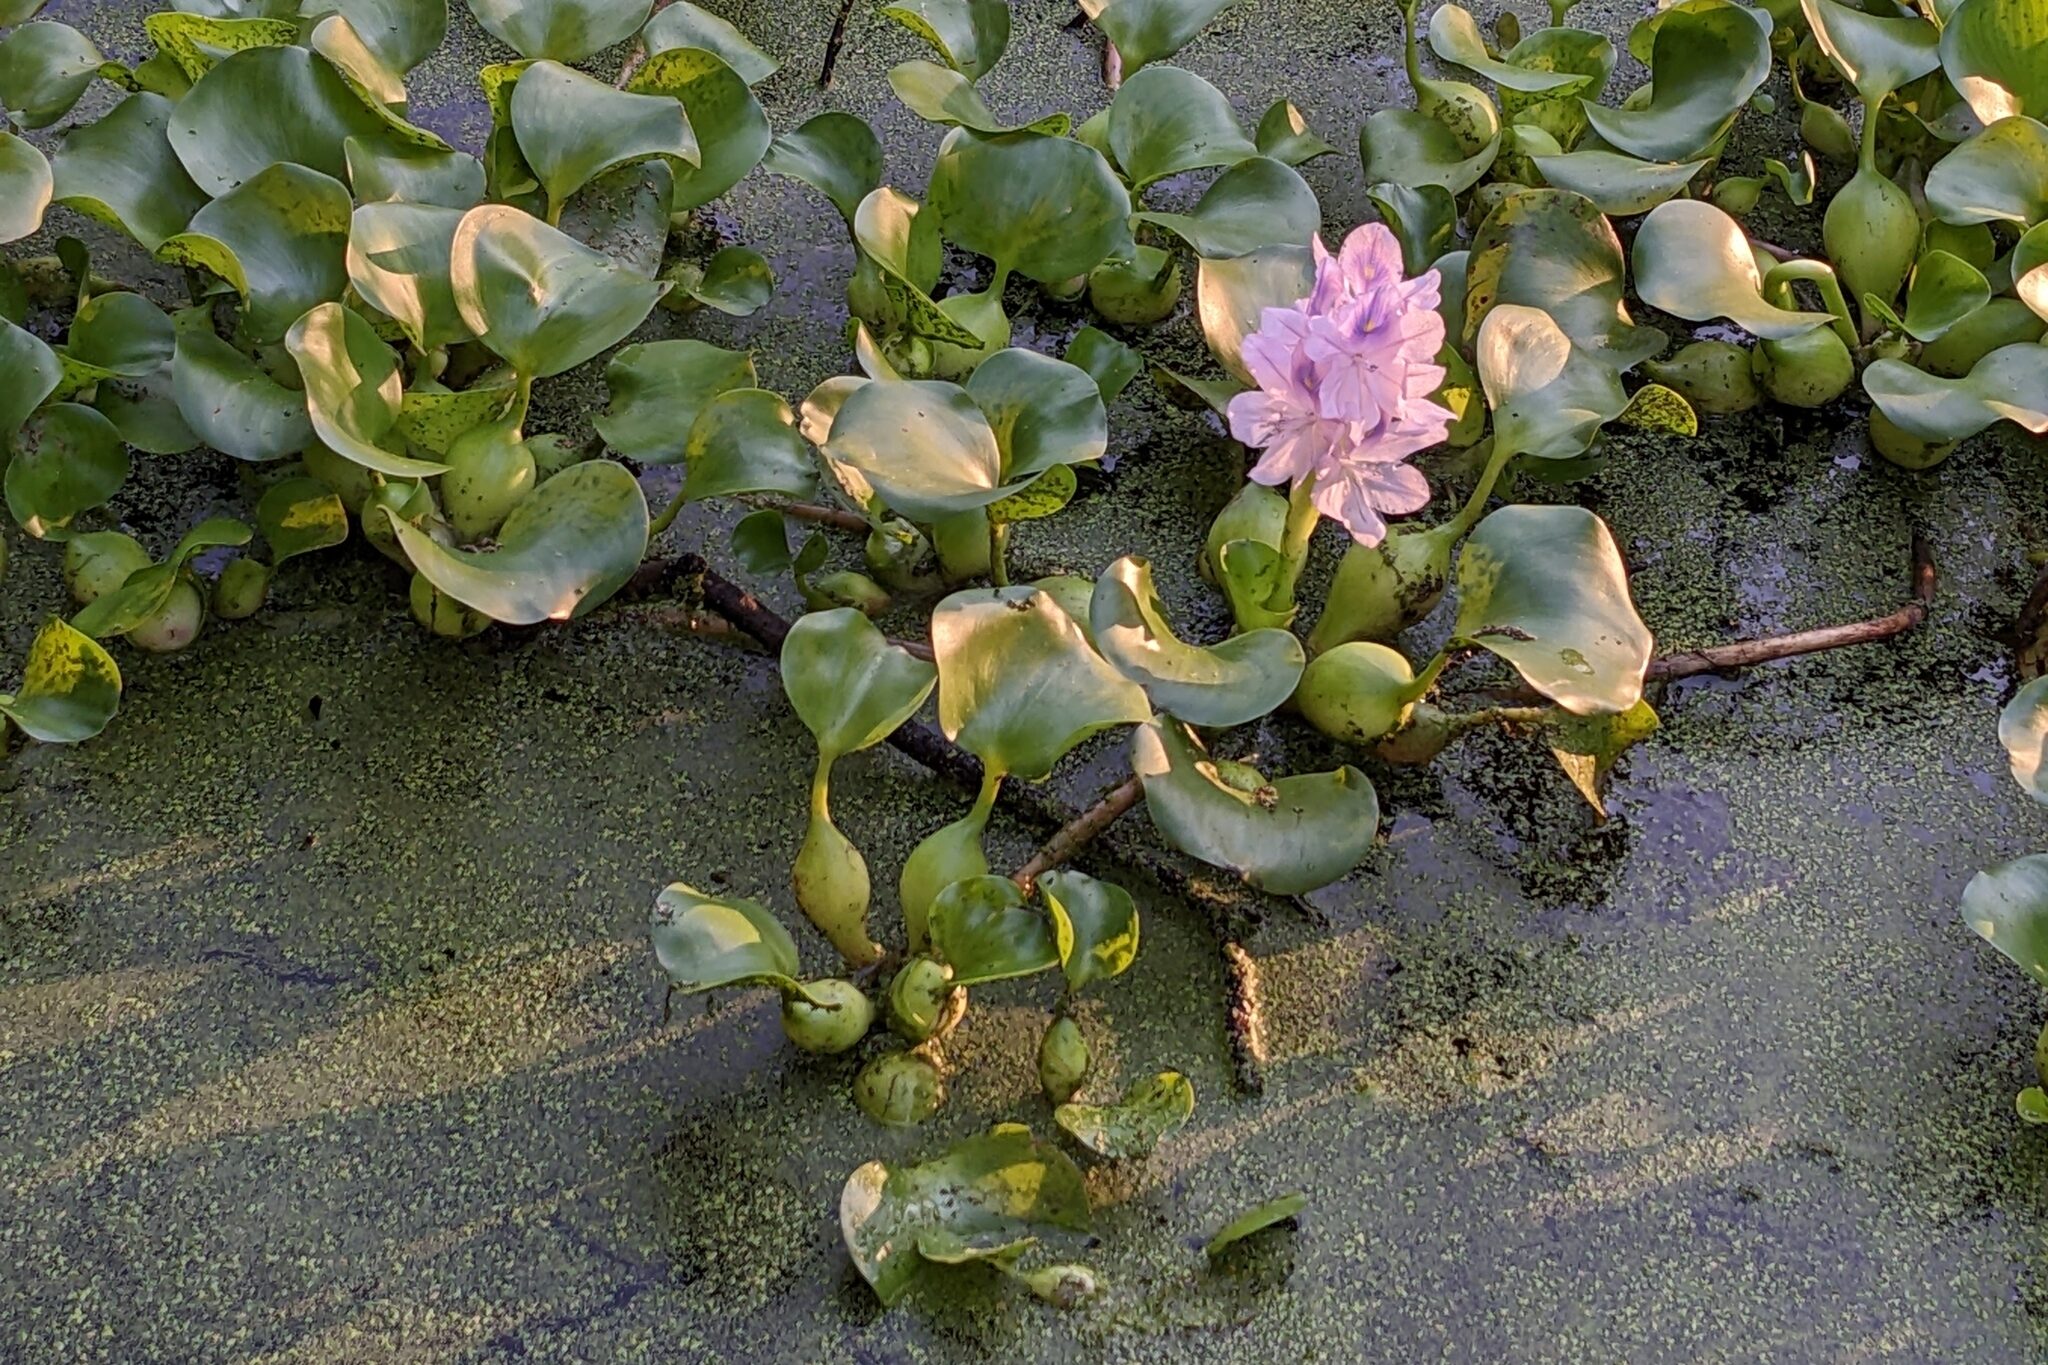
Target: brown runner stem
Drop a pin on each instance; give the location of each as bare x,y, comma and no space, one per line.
1076,834
834,44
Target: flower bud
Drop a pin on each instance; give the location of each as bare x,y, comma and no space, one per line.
441,614
1902,447
1871,232
1141,292
1418,742
175,624
1356,692
943,857
1806,371
899,1089
1381,590
1062,1060
239,591
1256,513
831,880
2001,322
489,471
834,1026
98,562
918,996
1714,376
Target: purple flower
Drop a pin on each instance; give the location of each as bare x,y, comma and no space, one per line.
1345,377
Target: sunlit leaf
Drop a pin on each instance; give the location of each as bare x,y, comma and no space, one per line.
541,300
1454,36
1047,208
849,685
705,942
926,447
1146,31
1132,1128
968,35
1545,588
2008,907
834,153
353,390
1094,923
2000,175
1284,135
1258,202
1165,121
1239,680
25,188
746,441
383,172
682,24
1706,63
939,94
398,261
280,239
1269,1214
1879,54
1996,54
658,389
44,68
1693,262
1588,747
147,591
561,30
2010,384
1231,295
1554,250
1549,397
70,687
298,516
572,129
1943,291
731,128
401,33
1617,184
193,44
565,549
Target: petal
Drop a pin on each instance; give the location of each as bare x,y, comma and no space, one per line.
1257,418
1344,502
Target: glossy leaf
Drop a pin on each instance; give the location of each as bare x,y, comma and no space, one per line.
990,1191
705,942
1706,63
1231,295
939,94
29,373
146,591
1288,837
1258,202
120,170
1998,176
281,241
1108,361
565,549
561,30
982,928
2023,730
70,687
1256,1220
849,685
542,301
682,24
44,68
1454,36
144,410
229,401
1617,184
385,172
1944,290
1047,208
834,153
746,441
968,35
2010,384
431,419
1549,398
68,460
572,129
1284,135
1425,220
658,389
1019,684
1995,52
2008,907
118,335
1042,497
1094,926
1165,121
1147,31
1554,250
298,516
1408,147
926,447
1545,588
400,33
731,128
1043,412
353,390
626,215
1239,680
1878,54
25,188
1693,261
1131,1129
398,261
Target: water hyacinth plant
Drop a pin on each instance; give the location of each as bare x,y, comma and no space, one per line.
366,320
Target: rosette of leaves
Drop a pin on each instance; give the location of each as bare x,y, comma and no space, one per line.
852,689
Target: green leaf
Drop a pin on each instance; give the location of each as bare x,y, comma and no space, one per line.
626,215
1043,412
1617,184
1424,220
1287,837
399,33
2000,175
683,24
561,30
120,170
148,590
432,419
1216,686
1944,290
1258,202
1996,54
989,1191
572,129
968,35
658,389
118,335
1284,135
1705,65
25,188
374,80
1549,397
385,172
229,401
834,153
1269,1214
398,261
194,44
353,390
281,241
144,410
226,131
1047,208
1042,497
298,516
1693,262
731,127
565,549
2010,384
1554,250
746,441
1545,588
939,94
736,281
2023,730
1147,31
1165,121
1411,148
2008,907
542,301
1094,925
849,685
705,942
1454,36
1019,684
1112,364
44,68
70,687
68,460
981,927
1588,747
926,447
1589,57
1133,1128
899,240
1879,55
1231,295
760,541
